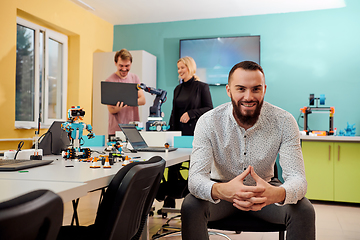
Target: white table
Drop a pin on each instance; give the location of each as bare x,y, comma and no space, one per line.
74,182
80,172
66,190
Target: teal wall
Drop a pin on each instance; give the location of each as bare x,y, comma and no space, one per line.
301,53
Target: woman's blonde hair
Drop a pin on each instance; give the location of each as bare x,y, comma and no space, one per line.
189,62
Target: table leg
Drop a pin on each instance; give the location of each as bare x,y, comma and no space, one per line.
75,217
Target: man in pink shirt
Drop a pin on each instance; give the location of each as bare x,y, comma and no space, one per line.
122,113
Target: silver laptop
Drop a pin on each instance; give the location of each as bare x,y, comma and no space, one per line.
137,141
18,164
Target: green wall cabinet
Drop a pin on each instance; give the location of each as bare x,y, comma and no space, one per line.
332,170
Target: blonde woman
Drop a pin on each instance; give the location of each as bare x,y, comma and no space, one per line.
191,98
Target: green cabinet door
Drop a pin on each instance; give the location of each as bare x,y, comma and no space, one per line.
347,172
319,169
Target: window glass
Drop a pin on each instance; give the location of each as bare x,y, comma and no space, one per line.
25,78
41,75
55,79
41,70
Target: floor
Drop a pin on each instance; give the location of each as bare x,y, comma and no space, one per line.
333,221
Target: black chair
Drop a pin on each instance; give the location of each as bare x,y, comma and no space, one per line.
36,215
125,205
174,187
248,224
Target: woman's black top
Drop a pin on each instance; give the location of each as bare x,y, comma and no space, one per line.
192,97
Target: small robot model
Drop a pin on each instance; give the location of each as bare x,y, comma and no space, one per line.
158,126
155,120
114,147
74,128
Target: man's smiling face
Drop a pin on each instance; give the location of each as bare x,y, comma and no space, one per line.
123,67
247,91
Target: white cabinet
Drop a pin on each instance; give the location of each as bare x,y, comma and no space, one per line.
144,65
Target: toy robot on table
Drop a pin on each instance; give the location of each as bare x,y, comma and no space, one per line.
114,147
155,120
74,128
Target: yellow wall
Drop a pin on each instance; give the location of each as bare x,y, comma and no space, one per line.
87,34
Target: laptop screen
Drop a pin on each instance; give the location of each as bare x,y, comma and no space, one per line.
133,135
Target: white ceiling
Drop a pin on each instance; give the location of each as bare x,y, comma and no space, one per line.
119,12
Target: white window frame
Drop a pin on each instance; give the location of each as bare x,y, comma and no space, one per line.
45,121
63,39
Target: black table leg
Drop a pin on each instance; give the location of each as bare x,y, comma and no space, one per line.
75,217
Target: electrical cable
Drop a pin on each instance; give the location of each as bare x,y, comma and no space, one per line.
41,136
20,145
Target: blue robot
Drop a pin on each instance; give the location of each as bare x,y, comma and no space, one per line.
74,128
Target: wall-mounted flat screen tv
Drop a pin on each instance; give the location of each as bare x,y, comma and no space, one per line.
215,57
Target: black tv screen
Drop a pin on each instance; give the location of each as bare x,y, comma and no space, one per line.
215,57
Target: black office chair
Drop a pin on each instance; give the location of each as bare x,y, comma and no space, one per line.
250,223
36,215
174,187
125,205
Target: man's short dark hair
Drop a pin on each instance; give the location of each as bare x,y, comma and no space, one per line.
246,65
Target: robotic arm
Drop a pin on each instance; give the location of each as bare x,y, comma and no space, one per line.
155,122
155,109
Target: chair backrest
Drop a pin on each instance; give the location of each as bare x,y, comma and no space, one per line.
128,199
35,215
175,186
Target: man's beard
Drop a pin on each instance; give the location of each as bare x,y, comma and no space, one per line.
248,120
124,73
